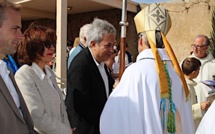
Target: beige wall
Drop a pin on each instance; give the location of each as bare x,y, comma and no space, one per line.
188,20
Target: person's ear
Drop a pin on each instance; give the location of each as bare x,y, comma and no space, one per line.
92,44
140,42
85,39
193,72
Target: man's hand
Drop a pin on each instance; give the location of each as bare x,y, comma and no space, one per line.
116,83
205,105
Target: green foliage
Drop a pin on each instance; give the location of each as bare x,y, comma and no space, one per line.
212,49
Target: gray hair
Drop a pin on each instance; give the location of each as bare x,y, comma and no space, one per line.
159,40
83,32
6,4
98,29
206,42
145,40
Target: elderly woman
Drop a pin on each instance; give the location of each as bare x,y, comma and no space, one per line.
38,84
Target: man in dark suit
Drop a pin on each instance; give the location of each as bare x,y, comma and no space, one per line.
14,114
89,83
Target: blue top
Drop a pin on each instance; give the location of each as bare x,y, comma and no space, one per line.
11,64
74,53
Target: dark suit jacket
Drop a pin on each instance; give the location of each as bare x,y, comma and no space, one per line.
86,92
11,121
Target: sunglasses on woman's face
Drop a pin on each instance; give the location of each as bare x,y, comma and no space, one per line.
48,44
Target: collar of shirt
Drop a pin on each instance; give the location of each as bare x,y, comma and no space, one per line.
4,72
40,72
2,63
147,53
205,59
81,45
103,74
97,64
3,68
191,82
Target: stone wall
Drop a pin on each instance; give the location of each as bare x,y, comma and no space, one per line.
188,20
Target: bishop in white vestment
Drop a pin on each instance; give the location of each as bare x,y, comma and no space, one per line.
151,97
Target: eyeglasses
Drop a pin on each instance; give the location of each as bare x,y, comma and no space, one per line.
48,44
197,46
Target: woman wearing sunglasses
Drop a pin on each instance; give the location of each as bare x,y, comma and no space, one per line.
37,81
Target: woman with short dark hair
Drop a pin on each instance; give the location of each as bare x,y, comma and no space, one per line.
37,81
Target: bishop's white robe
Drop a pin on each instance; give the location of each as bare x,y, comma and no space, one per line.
134,106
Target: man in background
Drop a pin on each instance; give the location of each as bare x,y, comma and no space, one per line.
201,52
81,45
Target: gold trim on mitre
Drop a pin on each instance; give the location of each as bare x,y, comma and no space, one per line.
148,20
